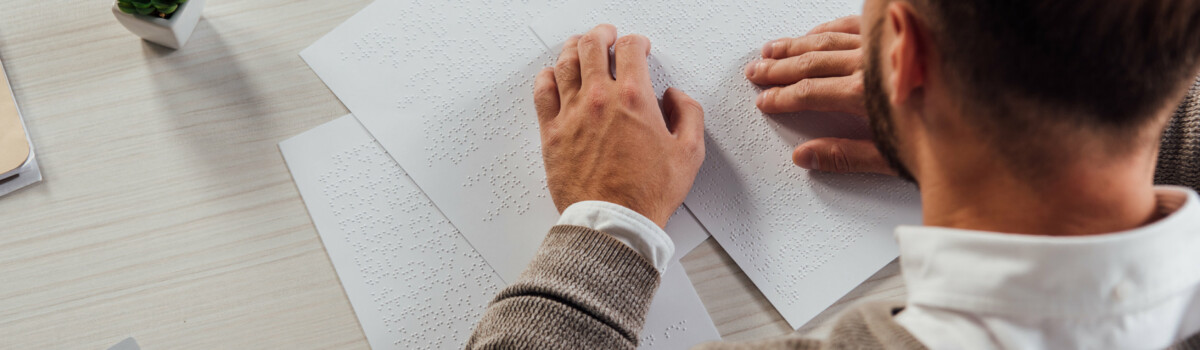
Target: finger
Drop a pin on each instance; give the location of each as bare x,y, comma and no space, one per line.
566,70
686,116
593,54
545,96
840,94
842,156
831,41
848,24
809,65
632,68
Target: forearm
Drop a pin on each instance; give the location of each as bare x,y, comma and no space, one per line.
583,290
1179,157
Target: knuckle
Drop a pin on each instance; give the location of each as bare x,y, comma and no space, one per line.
566,72
627,41
597,100
544,94
587,40
841,162
571,43
804,63
801,90
824,41
566,61
629,93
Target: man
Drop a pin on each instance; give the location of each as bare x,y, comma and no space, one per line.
1031,127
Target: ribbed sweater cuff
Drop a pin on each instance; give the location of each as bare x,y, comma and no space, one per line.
593,272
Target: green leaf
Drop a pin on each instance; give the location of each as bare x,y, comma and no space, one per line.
141,5
145,2
145,11
161,3
168,10
126,8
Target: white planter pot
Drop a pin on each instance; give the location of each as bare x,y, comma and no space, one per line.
172,33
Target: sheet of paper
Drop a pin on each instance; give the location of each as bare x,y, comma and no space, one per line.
804,238
449,94
127,344
413,280
677,319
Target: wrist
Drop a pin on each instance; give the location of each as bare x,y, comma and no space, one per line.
654,214
628,226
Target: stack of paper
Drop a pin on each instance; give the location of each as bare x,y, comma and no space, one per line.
450,204
413,280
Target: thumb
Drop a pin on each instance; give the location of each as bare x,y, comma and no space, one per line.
841,156
685,116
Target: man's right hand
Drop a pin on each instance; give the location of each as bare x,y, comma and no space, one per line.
820,71
606,139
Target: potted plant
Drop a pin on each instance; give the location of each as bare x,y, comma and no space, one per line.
165,22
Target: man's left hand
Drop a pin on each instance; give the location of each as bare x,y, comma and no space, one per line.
820,71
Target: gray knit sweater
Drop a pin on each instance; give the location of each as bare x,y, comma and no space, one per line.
1179,158
586,290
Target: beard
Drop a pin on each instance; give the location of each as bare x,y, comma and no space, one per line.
879,109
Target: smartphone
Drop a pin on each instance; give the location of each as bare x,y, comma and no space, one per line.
16,153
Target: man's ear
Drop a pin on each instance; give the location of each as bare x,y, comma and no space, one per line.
908,51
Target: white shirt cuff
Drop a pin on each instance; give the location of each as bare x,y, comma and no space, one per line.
626,225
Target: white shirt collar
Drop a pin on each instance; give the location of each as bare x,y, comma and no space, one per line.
1048,276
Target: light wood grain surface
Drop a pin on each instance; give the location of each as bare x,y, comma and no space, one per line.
167,213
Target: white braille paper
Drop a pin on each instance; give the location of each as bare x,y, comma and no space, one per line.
414,282
449,94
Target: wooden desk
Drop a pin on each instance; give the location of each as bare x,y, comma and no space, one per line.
167,213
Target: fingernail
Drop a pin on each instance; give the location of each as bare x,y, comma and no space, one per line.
808,159
761,97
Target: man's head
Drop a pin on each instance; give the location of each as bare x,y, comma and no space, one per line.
1037,83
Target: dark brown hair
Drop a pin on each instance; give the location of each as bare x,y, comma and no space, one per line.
1104,65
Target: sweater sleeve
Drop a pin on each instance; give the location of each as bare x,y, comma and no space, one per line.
583,290
1179,156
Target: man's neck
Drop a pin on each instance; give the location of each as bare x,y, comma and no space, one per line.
1080,199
